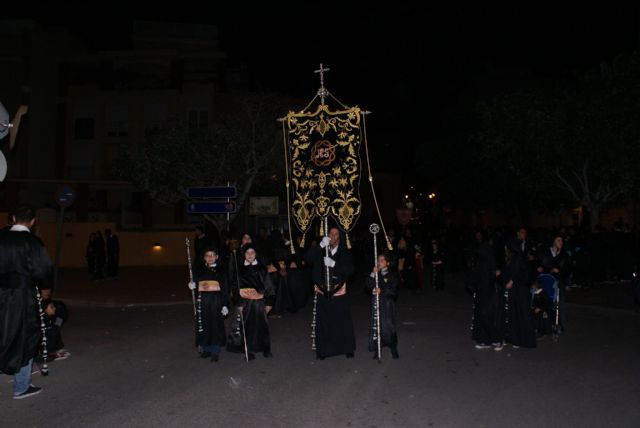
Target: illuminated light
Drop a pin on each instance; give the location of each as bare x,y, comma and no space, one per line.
406,196
157,247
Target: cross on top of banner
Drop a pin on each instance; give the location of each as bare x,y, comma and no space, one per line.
322,92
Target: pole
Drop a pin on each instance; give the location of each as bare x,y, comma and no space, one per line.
44,369
244,336
326,253
193,293
374,229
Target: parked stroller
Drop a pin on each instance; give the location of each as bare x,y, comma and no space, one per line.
551,289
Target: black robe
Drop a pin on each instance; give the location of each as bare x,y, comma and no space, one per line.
91,258
282,301
436,271
210,305
100,256
256,326
24,263
334,325
519,328
113,255
388,283
482,282
298,280
53,325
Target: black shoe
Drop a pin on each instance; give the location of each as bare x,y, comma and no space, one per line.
267,354
350,355
215,357
394,354
252,357
205,354
32,390
319,357
375,356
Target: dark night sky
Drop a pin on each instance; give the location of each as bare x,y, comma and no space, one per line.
387,57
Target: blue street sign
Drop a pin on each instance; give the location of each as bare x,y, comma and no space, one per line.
65,197
212,192
211,207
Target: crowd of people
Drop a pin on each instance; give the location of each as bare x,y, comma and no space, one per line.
518,286
251,280
518,283
103,255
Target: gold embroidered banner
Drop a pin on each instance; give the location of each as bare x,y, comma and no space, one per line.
325,166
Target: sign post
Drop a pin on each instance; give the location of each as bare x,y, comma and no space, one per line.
65,198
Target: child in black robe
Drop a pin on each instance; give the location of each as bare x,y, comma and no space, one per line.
387,290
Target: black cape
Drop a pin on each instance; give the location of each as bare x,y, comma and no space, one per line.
485,305
519,328
334,325
210,305
256,326
24,263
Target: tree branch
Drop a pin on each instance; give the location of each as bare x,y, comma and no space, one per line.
568,186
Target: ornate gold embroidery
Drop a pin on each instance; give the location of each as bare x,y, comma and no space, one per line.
324,149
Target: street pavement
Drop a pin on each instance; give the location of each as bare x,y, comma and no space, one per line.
133,364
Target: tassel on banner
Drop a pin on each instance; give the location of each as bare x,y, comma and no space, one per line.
321,229
389,246
302,242
346,234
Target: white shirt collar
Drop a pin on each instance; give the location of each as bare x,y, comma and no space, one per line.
246,263
334,250
213,265
19,228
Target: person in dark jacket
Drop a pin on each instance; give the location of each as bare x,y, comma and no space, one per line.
24,264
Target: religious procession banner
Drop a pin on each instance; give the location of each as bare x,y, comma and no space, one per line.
324,165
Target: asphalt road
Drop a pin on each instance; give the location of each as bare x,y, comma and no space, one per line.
135,366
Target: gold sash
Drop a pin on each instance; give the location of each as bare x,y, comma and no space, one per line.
250,294
341,292
208,286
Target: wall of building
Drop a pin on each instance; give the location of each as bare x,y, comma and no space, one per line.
137,248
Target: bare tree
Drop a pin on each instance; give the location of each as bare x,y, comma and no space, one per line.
241,147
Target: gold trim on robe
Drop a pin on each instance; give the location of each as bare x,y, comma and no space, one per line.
250,294
208,286
341,292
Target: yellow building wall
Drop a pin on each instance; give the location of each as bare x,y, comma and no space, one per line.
136,248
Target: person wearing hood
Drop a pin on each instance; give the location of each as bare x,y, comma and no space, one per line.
253,298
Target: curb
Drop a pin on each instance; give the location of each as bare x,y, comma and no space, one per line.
94,304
